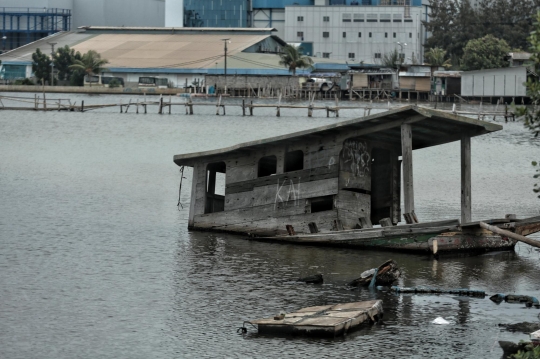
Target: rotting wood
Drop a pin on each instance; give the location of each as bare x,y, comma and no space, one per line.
290,230
386,222
313,227
406,153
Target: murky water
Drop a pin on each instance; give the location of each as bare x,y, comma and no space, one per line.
96,260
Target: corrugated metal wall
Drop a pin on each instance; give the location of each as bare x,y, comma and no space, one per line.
494,82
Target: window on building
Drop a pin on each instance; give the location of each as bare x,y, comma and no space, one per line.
320,204
385,18
377,55
346,17
395,35
300,34
408,20
372,18
326,55
410,35
215,187
300,18
325,34
358,17
344,34
397,18
359,34
326,18
386,35
370,34
351,55
267,166
294,161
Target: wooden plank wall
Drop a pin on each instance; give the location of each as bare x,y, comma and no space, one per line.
263,206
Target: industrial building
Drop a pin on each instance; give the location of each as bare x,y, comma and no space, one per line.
181,56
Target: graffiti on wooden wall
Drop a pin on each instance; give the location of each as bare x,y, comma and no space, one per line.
355,158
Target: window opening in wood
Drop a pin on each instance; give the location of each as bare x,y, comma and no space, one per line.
320,204
215,187
294,161
267,166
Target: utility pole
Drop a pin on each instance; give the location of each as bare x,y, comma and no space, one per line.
52,62
225,41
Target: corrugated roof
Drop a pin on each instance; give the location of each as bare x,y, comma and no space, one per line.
429,128
197,50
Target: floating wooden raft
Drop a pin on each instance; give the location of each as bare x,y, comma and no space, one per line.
327,320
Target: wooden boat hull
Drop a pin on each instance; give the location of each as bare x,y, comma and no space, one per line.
446,242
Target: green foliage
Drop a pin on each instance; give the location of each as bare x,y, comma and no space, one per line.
25,82
437,57
453,23
63,58
90,63
530,352
485,53
114,83
532,114
292,58
41,66
391,59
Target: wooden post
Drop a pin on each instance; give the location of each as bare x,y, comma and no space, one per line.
35,102
243,107
170,104
44,102
465,179
82,106
160,111
190,106
218,104
251,109
406,155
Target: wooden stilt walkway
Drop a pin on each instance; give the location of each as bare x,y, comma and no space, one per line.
41,103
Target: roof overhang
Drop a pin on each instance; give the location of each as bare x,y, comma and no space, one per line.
429,128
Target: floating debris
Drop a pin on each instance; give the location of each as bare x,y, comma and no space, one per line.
384,275
515,298
440,320
327,320
428,290
314,279
523,327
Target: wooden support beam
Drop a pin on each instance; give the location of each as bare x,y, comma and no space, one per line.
193,200
406,153
466,212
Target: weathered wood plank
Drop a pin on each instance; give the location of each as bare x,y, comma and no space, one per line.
275,225
466,213
351,206
301,176
194,180
287,190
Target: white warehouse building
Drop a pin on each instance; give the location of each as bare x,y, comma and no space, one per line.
359,34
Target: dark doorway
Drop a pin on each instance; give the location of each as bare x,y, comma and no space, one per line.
215,187
381,185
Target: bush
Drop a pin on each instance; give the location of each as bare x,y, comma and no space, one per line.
114,83
25,82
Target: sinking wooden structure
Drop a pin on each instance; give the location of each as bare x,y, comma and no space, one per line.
329,185
326,320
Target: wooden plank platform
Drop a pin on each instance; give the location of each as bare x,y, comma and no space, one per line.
327,320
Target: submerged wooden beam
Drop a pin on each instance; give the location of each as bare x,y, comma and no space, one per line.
466,213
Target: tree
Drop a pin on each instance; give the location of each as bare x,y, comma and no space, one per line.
90,63
436,57
391,59
453,23
532,114
292,58
41,66
485,53
63,58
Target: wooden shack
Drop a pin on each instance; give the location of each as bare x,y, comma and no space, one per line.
339,176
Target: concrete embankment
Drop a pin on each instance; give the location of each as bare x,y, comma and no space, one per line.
91,90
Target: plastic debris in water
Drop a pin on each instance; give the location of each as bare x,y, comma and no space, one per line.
440,320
